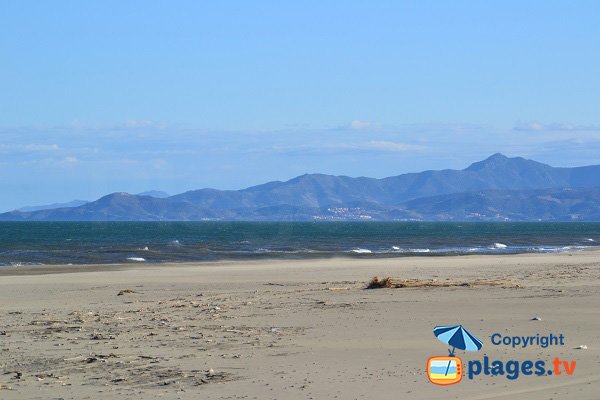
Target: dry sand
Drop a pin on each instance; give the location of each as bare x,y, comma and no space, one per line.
292,329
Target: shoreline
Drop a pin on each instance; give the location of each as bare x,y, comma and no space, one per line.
45,269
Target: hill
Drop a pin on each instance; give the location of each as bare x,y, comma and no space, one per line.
496,188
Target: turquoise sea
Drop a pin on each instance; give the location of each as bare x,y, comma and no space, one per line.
30,243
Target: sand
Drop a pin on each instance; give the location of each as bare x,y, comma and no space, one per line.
292,329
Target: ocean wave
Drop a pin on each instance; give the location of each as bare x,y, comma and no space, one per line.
16,264
275,251
556,249
361,251
397,249
136,259
567,248
499,246
541,249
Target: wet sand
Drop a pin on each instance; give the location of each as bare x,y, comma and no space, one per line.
293,329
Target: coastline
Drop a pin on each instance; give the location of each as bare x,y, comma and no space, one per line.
290,329
46,269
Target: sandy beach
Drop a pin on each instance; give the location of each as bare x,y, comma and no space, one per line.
305,329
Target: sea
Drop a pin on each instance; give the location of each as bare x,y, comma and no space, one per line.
51,243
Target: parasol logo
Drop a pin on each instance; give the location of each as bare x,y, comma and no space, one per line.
448,370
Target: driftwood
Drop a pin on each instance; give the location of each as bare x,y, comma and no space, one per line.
390,283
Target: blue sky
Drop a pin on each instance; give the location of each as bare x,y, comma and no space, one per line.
130,96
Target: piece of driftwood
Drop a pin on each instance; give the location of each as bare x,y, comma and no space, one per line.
390,283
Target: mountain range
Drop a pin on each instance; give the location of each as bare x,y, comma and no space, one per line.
498,188
72,203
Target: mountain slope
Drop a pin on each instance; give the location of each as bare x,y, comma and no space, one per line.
73,203
317,190
116,207
406,196
567,204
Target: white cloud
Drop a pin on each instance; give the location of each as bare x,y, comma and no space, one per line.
553,127
359,125
41,147
136,123
380,145
131,124
529,126
70,160
28,148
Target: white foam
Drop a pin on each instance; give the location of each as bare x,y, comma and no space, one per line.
137,259
547,249
499,246
21,264
145,248
589,240
567,248
401,250
362,251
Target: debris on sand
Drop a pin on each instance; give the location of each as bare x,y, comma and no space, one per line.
581,347
100,336
388,283
536,318
377,283
122,292
17,375
211,376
